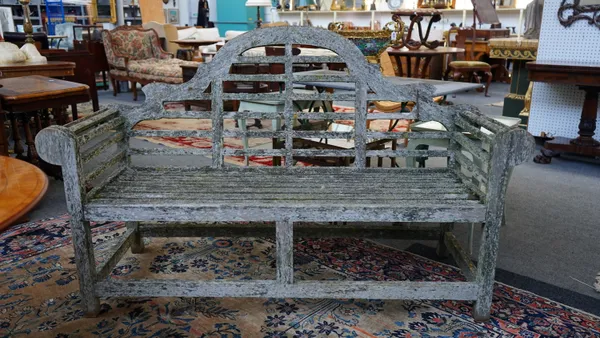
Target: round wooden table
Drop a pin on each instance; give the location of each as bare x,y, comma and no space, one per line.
22,186
423,56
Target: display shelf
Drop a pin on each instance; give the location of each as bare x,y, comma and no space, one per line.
390,12
509,17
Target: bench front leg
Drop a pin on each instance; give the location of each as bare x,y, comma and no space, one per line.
86,266
508,149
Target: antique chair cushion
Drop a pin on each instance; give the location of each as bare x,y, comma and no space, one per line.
155,78
469,64
159,67
118,72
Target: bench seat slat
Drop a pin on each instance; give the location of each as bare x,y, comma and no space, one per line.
232,196
461,212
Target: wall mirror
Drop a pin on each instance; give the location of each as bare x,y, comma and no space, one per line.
571,11
104,11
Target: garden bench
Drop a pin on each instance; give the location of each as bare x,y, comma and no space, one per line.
220,200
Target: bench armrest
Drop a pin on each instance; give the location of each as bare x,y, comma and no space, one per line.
488,153
69,146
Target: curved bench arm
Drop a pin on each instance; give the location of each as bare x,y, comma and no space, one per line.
64,146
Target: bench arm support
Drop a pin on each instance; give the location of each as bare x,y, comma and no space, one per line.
58,145
62,145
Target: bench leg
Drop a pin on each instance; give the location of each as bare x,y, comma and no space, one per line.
138,242
442,249
486,269
86,266
284,234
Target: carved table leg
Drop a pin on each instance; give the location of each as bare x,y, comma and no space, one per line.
399,65
585,144
74,111
58,115
488,82
32,155
18,147
3,139
426,66
416,71
45,118
38,122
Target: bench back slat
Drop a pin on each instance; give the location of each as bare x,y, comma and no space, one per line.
368,85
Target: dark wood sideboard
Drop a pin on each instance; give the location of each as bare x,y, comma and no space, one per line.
587,78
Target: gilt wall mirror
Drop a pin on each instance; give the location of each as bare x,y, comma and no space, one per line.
104,11
575,10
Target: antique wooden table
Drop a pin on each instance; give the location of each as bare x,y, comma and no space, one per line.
22,186
24,97
48,68
587,78
442,88
194,44
422,56
520,51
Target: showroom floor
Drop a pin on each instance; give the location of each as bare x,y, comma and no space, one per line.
552,232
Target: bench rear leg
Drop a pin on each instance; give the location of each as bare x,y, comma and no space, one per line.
486,269
86,266
137,246
442,249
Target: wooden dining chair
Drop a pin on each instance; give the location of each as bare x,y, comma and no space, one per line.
469,70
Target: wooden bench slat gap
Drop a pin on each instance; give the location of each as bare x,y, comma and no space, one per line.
122,153
101,146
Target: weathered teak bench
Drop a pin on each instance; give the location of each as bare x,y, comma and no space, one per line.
146,198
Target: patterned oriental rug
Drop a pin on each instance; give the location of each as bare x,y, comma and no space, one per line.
39,292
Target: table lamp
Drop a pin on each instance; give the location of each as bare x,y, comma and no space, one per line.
27,26
258,4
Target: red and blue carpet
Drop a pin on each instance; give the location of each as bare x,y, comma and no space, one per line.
39,292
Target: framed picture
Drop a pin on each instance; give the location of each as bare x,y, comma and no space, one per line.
172,15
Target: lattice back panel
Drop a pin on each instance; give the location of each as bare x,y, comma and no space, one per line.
368,86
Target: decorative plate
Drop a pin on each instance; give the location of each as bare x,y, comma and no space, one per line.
394,4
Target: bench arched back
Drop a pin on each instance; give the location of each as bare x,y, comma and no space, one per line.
369,83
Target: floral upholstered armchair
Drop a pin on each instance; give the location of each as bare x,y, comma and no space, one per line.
135,55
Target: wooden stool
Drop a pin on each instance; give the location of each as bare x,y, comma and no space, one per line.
27,99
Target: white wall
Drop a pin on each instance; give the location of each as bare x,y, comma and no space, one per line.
556,109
